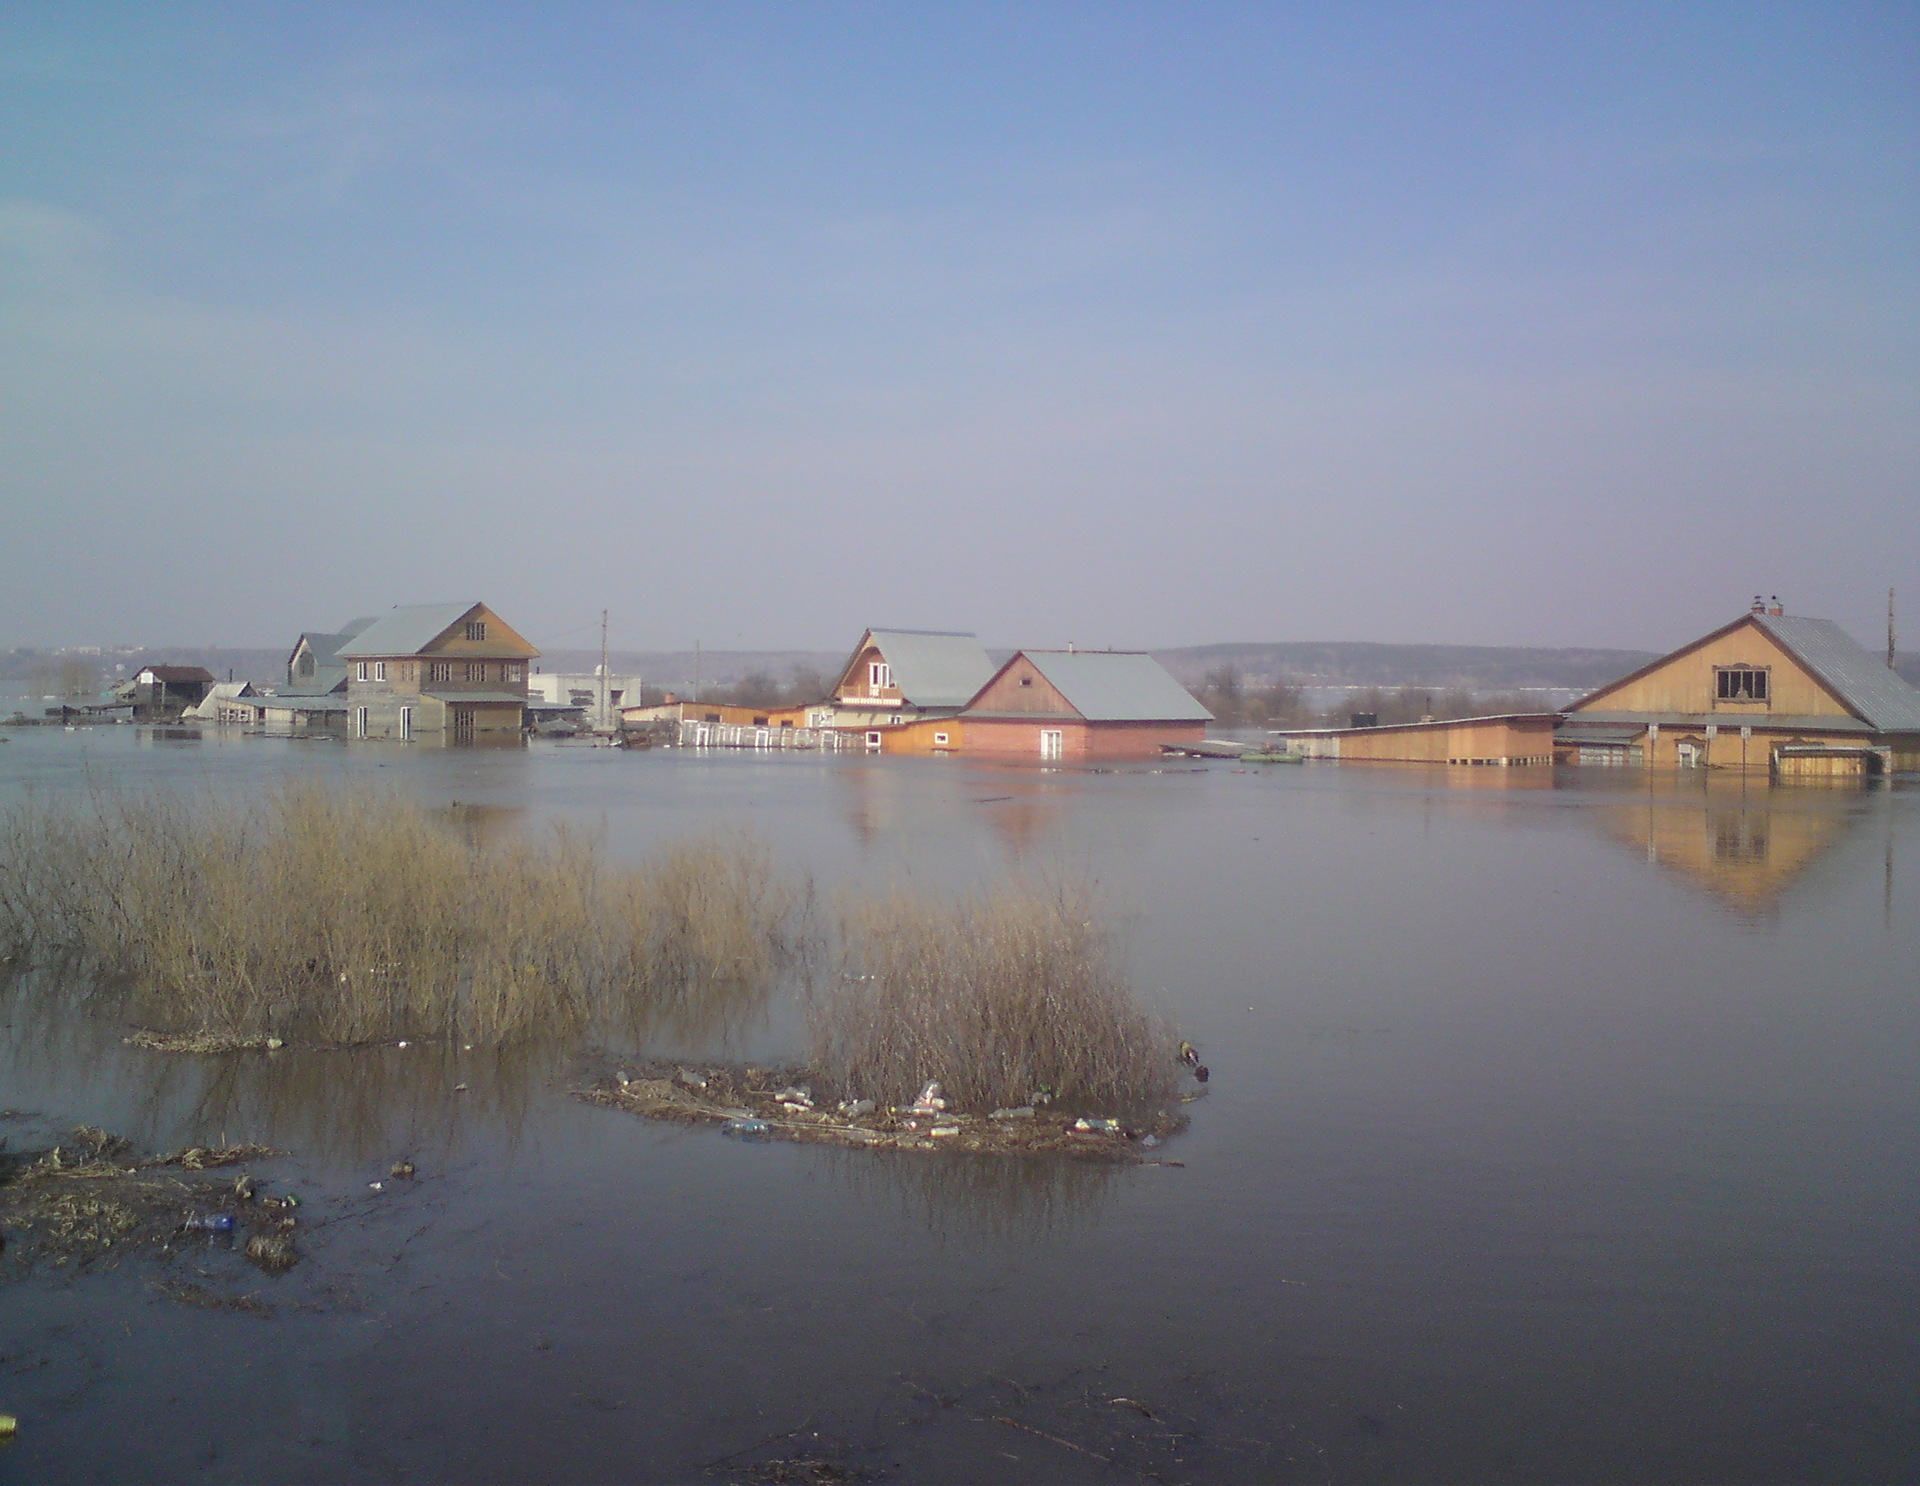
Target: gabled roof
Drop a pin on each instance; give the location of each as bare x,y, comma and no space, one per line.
1115,685
932,668
1862,682
176,673
407,630
1857,680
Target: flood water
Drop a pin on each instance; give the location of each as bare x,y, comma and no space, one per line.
1562,1128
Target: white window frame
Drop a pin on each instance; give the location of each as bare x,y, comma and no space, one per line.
1053,743
406,724
879,676
360,673
379,670
942,740
874,741
477,630
359,722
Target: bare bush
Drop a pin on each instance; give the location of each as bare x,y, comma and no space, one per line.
997,996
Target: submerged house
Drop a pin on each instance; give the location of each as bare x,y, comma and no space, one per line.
1061,705
1505,740
457,671
1793,695
899,676
162,693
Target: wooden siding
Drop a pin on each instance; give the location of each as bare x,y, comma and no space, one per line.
855,684
502,641
1021,688
1489,740
1684,682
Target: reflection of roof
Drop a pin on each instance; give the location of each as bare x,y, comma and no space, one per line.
933,668
408,630
477,696
1117,686
1863,684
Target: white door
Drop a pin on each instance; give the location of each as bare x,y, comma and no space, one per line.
1053,742
406,722
359,722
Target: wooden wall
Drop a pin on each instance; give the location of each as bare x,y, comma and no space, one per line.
1684,682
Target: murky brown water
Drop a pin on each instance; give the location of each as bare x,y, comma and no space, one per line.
1561,1128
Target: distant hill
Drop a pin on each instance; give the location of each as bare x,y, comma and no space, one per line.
1360,663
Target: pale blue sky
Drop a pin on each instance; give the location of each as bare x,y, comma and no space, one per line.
1122,324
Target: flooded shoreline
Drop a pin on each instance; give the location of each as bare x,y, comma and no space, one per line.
1560,1129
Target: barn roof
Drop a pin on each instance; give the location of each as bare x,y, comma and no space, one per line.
177,673
407,630
932,668
1861,681
1117,686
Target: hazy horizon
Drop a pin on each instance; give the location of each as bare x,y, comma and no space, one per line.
1130,325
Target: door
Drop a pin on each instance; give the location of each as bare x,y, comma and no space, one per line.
462,724
1053,742
406,723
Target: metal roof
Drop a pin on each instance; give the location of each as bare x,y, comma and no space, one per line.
1861,681
477,696
933,668
1117,686
408,630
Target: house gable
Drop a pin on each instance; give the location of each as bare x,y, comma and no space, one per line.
1684,681
925,668
439,630
1019,688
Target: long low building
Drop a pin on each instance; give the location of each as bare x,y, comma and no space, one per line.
1505,741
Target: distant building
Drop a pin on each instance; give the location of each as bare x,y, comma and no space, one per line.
898,676
162,693
1775,691
579,692
1506,740
315,668
457,671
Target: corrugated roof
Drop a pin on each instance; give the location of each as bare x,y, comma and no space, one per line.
408,630
934,668
1117,686
1861,680
476,696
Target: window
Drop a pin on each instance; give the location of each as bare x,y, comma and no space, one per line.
879,675
359,722
1052,742
476,670
406,723
476,629
439,670
939,740
379,670
1026,680
873,742
360,671
1740,683
513,670
306,664
760,722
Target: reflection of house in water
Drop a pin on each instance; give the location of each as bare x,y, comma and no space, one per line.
1745,843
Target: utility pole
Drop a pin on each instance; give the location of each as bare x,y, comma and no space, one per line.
606,711
1890,650
696,670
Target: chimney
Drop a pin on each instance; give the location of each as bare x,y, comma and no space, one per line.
1776,608
1759,605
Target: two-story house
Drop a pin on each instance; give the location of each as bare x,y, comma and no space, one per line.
897,676
456,671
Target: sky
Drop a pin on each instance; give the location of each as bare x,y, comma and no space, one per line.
1119,324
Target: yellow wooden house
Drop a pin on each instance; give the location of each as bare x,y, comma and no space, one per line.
1772,691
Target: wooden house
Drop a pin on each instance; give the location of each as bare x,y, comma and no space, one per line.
1061,705
899,676
1771,691
162,693
456,671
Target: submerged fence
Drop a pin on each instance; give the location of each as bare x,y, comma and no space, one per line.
742,735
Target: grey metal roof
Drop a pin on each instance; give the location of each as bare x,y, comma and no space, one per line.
408,630
933,668
302,702
1861,680
1117,686
476,696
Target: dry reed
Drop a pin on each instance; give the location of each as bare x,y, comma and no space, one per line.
317,913
998,996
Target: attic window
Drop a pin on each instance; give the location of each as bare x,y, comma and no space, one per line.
1740,683
306,665
1026,680
476,629
879,675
